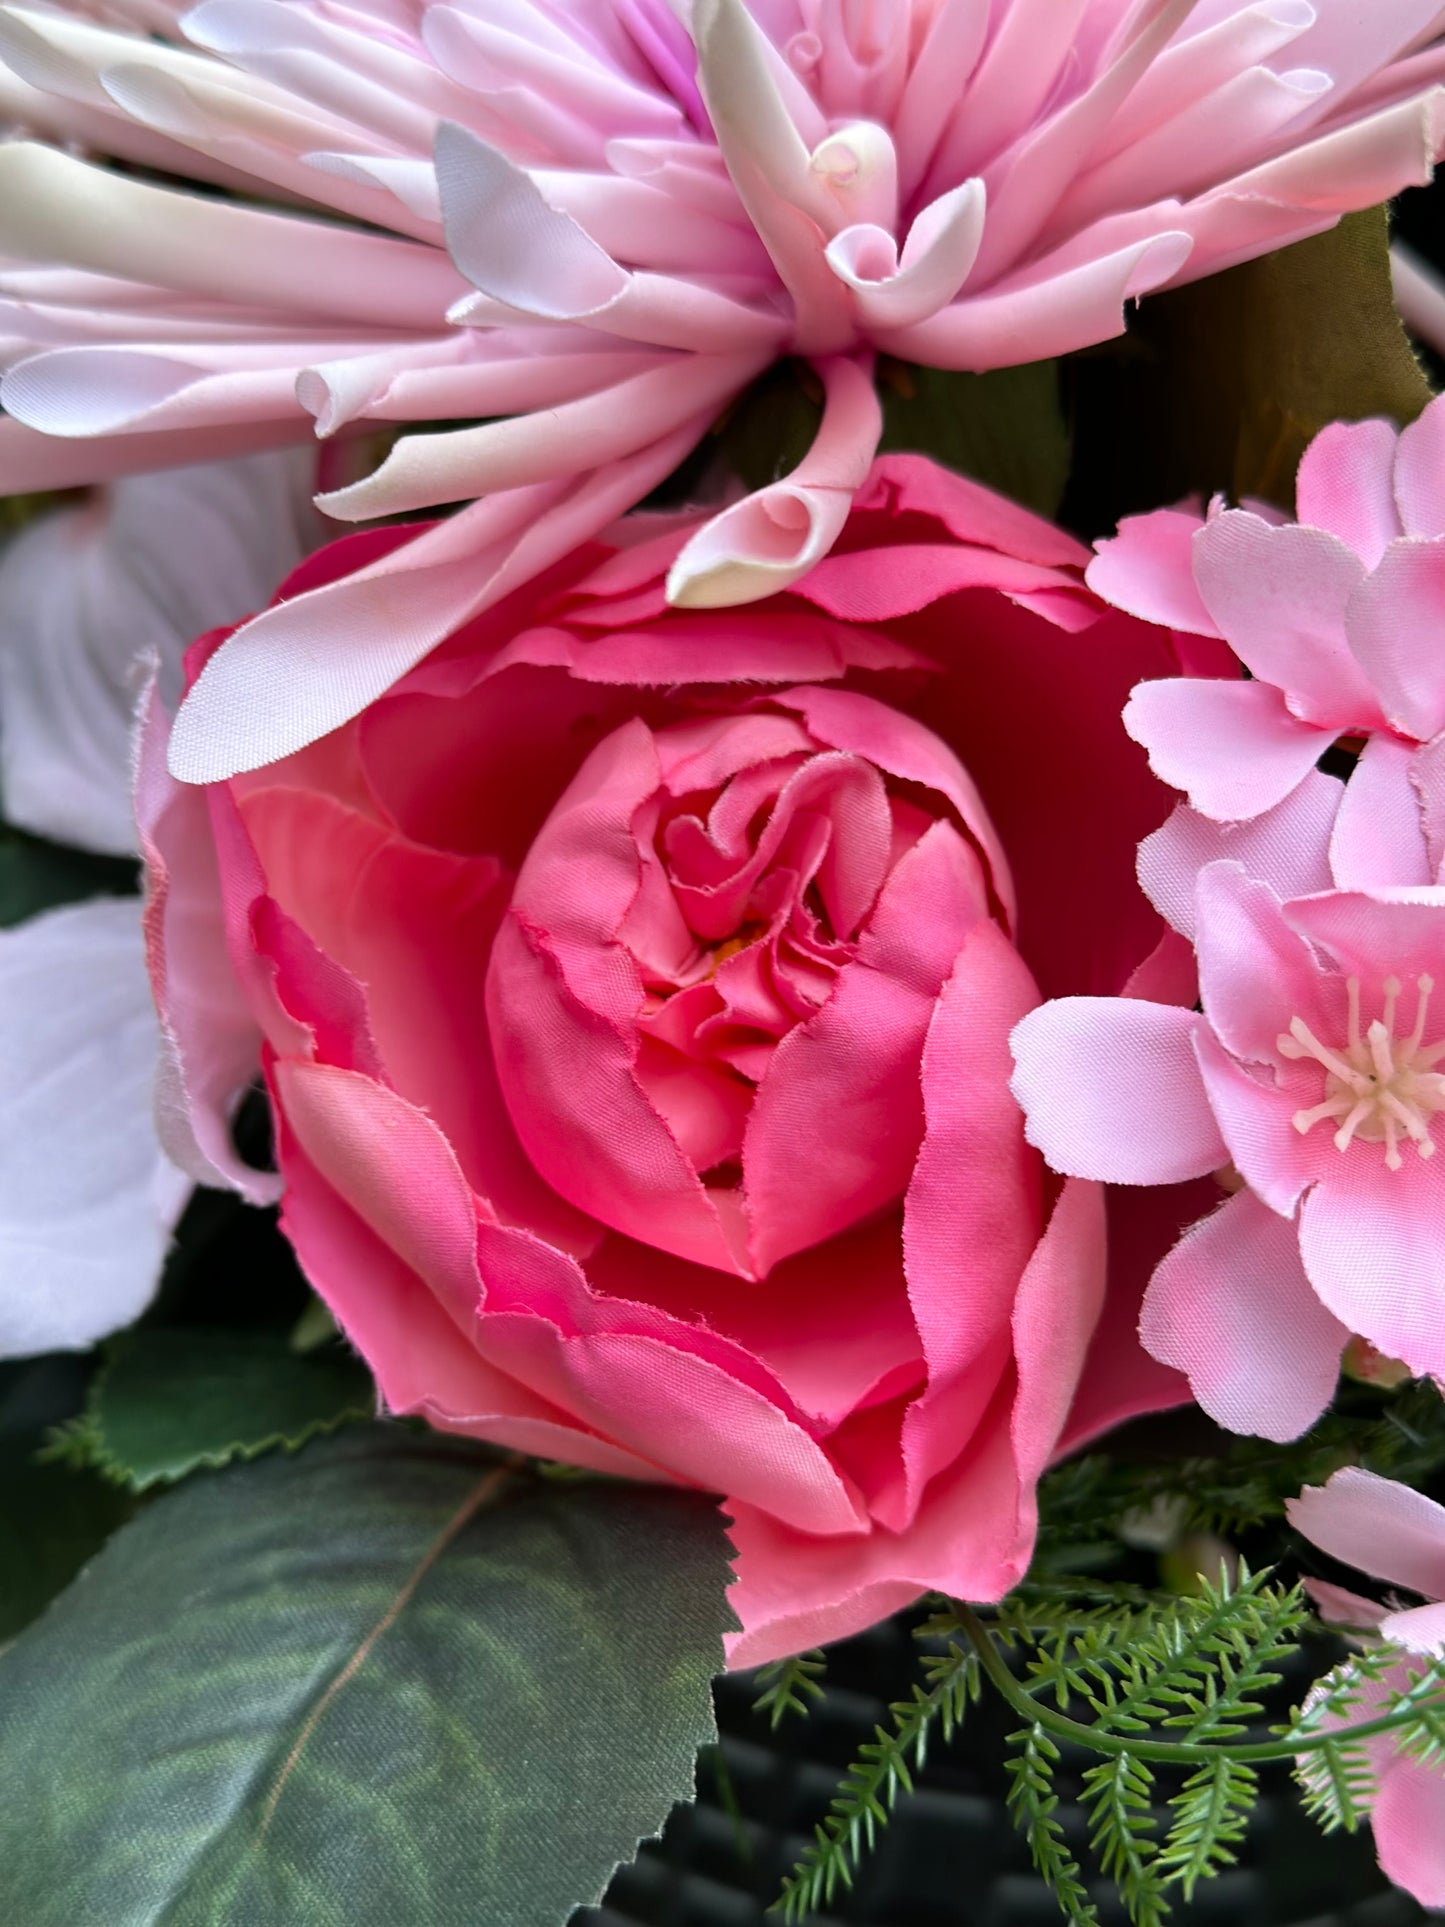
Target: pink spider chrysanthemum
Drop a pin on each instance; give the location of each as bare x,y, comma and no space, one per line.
599,220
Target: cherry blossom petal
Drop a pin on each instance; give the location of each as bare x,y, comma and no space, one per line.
1377,1525
1287,847
1379,834
1112,1091
1393,616
1231,1307
1232,747
1147,568
1345,485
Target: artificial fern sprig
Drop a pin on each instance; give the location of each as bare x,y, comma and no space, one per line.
884,1769
1165,1682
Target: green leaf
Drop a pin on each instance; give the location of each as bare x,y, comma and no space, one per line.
52,1519
388,1680
36,875
1005,428
1220,385
172,1400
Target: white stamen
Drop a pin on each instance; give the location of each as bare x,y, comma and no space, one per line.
1378,1085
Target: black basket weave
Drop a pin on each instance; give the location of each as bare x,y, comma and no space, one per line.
950,1857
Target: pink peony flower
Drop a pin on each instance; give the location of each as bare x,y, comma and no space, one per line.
1336,617
1397,1535
600,221
636,986
1311,1074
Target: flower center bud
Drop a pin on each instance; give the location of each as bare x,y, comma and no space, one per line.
1378,1086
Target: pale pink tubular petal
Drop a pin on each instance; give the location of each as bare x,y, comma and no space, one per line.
1377,1525
1287,847
548,445
53,208
1393,619
86,1197
99,391
1232,1309
1044,315
1112,1091
1232,747
31,462
894,290
842,1099
210,1041
1148,570
1419,1629
308,665
1372,1241
1279,595
765,542
769,162
1420,469
1379,834
1345,485
509,243
1408,1823
1421,301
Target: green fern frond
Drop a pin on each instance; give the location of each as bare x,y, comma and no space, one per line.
790,1686
869,1790
1034,1805
1118,1795
1209,1817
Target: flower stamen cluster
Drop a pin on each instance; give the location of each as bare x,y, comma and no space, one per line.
1377,1085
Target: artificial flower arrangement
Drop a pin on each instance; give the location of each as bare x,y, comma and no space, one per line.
808,983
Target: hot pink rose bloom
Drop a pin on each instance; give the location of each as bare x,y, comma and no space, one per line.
600,220
1337,617
1397,1535
635,987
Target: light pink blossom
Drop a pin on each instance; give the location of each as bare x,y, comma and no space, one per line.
1338,619
1313,1074
1398,1535
600,220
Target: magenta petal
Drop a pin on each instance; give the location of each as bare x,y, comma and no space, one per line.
1233,747
1279,594
1345,485
1379,834
1111,1089
838,1118
1231,1307
1377,1525
1395,618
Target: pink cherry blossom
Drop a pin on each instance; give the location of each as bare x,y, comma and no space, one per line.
1337,618
600,220
1397,1535
1313,1074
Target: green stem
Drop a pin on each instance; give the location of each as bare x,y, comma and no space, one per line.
1165,1752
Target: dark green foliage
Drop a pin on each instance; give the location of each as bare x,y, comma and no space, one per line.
389,1679
36,875
171,1400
